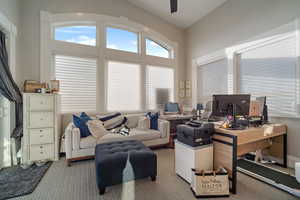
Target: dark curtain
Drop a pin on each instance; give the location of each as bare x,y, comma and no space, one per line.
9,89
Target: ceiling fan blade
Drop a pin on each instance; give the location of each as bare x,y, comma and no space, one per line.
173,5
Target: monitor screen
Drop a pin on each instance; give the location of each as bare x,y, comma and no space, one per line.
171,107
234,104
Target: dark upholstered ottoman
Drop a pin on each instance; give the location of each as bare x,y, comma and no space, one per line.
123,161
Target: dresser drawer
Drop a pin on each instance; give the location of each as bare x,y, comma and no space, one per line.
41,119
41,136
41,152
41,103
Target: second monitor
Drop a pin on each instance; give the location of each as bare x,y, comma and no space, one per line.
233,104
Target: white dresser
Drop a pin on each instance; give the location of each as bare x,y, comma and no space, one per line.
41,137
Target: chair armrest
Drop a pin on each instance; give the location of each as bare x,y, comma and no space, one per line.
164,128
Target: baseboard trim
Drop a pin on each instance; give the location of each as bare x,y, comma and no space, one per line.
291,160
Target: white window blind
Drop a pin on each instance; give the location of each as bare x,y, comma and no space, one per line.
212,79
160,86
77,83
124,87
271,70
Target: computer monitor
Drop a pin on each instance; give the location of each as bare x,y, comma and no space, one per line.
233,104
172,107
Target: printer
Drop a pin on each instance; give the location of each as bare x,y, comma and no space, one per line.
195,133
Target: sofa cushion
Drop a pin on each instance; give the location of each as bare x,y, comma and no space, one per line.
80,122
153,120
135,134
143,123
112,120
88,142
96,128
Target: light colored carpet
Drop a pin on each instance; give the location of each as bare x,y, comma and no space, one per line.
79,183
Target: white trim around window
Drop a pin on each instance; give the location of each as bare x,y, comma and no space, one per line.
50,47
233,53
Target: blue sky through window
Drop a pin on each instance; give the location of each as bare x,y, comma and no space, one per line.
77,34
154,49
121,40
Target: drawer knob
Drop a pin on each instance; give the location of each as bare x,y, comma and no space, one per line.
41,135
41,147
41,152
41,130
41,119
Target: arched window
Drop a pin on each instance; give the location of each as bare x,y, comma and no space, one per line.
85,35
120,39
155,49
105,63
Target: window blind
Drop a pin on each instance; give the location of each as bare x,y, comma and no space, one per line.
77,83
271,71
213,79
159,86
124,87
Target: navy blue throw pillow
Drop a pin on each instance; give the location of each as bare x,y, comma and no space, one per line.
153,120
80,122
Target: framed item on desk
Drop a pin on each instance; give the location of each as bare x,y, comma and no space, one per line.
188,92
188,84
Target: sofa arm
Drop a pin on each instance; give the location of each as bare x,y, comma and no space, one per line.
71,139
164,128
75,138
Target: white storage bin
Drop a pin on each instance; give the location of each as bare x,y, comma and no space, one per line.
188,158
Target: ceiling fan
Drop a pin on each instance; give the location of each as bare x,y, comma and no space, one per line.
173,6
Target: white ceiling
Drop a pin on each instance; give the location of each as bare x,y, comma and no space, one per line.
189,11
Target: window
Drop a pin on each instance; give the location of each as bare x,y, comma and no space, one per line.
121,40
155,49
212,79
77,83
99,63
160,86
271,70
124,87
85,35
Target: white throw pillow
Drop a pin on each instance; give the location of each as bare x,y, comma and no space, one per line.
144,123
96,128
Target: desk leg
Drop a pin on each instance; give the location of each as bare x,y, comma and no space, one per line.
225,155
234,165
285,150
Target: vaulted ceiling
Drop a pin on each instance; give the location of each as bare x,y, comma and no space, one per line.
189,11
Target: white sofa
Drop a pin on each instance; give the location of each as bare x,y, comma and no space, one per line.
77,148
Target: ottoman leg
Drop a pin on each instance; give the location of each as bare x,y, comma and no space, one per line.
101,190
153,178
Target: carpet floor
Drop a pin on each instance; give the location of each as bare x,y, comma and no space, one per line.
78,182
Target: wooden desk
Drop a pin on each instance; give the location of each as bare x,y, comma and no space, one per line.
229,144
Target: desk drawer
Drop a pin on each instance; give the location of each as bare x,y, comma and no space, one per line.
41,152
41,103
41,119
41,136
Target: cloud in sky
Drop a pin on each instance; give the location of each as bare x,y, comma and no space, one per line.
83,40
112,46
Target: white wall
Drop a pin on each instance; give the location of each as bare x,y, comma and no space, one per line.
30,14
237,21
